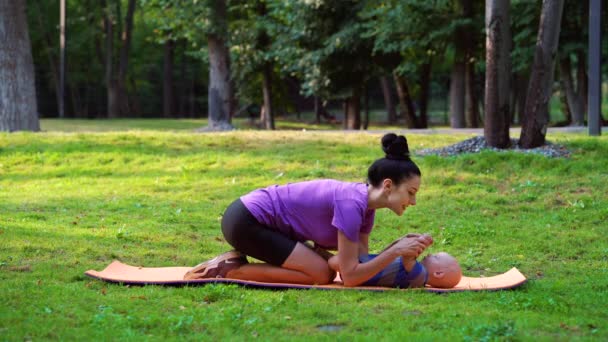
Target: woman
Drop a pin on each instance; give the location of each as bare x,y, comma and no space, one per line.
273,224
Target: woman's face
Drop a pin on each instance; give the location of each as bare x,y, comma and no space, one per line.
403,195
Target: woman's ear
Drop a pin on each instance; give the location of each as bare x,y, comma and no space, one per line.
387,184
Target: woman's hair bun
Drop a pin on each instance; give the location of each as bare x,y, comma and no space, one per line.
395,147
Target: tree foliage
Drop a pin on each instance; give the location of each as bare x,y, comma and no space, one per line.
324,48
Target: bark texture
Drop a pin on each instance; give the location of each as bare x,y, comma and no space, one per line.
405,102
470,40
268,120
425,90
220,91
457,95
388,100
574,101
18,107
352,110
168,84
471,102
220,88
110,79
536,114
498,72
123,65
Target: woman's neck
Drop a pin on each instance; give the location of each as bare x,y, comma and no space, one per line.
375,198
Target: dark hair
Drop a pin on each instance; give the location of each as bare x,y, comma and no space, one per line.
396,165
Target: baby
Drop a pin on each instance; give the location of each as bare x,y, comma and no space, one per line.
436,270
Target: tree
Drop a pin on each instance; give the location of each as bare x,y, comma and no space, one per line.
221,94
536,112
388,99
123,64
524,26
205,25
322,43
472,52
117,96
498,72
457,78
48,50
18,107
572,58
406,103
168,85
406,41
251,42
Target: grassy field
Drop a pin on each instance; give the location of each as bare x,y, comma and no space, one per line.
72,201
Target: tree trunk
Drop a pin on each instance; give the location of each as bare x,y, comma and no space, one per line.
366,107
51,58
520,88
318,109
168,86
582,81
536,116
471,100
563,99
180,101
123,64
18,107
498,38
388,100
405,102
112,106
220,89
573,97
425,86
192,98
352,110
220,94
469,41
457,78
457,93
134,99
267,92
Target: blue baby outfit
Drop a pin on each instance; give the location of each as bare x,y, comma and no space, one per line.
395,275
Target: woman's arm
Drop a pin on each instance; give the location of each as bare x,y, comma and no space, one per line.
354,273
363,244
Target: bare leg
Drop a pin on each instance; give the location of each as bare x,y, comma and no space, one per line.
303,266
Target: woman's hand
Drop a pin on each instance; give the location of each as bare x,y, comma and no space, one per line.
412,247
425,239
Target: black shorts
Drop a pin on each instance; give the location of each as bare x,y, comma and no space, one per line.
254,239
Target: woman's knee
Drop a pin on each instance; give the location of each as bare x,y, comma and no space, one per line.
325,276
305,260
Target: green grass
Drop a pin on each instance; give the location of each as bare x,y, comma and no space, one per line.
70,202
306,122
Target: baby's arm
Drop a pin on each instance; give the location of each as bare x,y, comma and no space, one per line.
408,263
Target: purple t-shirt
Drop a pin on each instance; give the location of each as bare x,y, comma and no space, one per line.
313,210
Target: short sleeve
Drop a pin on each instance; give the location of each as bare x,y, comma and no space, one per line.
348,218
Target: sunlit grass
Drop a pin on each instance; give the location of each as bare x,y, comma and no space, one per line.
72,201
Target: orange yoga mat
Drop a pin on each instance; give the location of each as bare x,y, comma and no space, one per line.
118,272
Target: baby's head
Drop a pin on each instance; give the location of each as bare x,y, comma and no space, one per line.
443,270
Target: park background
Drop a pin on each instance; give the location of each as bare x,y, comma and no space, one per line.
120,171
349,64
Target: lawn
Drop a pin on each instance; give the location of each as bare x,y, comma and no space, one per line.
72,201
